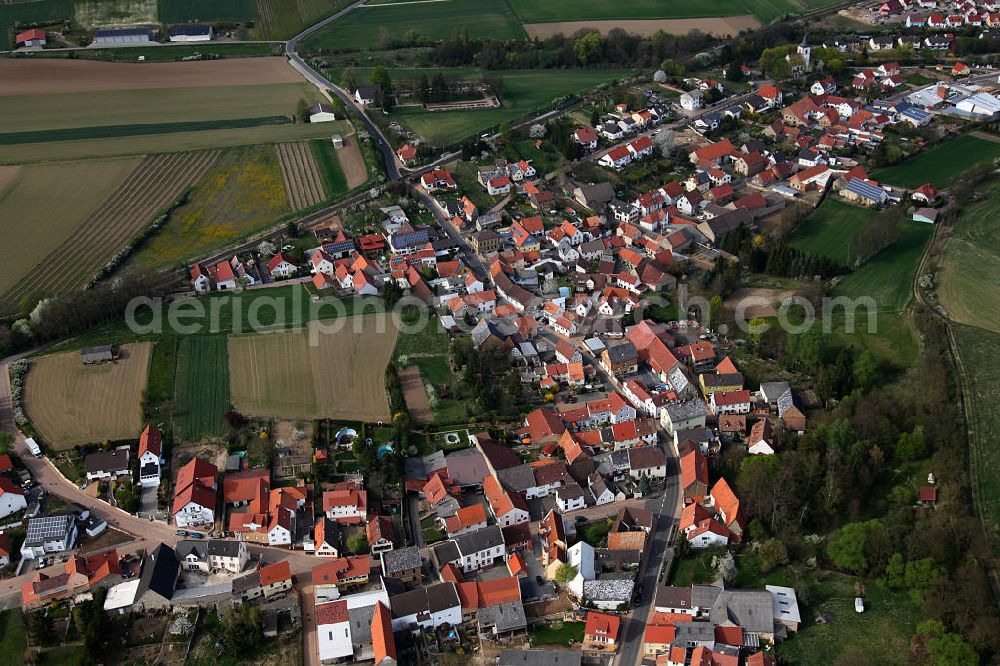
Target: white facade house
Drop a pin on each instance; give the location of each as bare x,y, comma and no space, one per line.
427,608
570,498
333,632
11,498
194,514
692,100
481,548
150,457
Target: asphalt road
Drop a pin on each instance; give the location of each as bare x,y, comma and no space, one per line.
471,259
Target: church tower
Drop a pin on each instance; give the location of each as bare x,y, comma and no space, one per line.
805,51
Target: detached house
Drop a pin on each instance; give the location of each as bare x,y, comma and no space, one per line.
150,457
195,494
11,498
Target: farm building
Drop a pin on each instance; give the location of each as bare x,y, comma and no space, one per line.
368,94
337,141
321,113
33,37
110,36
100,354
191,33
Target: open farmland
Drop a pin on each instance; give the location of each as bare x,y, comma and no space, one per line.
967,282
153,185
31,153
303,183
100,13
380,26
280,19
524,92
352,162
941,163
201,387
342,375
828,230
888,276
52,77
124,100
83,113
69,403
43,206
241,193
191,11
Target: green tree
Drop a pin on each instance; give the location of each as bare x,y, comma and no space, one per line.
565,573
6,443
911,445
357,543
773,553
866,371
587,48
951,650
381,78
846,548
241,631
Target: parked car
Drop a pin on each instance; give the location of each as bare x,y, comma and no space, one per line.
196,535
859,605
539,580
181,533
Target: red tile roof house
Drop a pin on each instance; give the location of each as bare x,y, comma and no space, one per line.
407,154
275,579
195,494
601,632
281,266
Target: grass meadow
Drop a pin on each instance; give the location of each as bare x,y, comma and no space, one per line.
524,92
937,165
13,637
240,194
888,276
192,11
828,229
201,389
967,281
69,403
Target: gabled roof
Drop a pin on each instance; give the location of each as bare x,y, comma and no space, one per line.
275,573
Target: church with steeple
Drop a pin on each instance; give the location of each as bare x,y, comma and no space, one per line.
800,62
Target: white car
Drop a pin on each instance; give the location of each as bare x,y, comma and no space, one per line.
859,605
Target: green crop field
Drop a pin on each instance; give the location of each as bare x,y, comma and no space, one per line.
280,19
524,92
888,276
84,149
547,11
970,266
240,194
193,11
86,110
334,180
201,387
826,231
938,165
977,349
379,26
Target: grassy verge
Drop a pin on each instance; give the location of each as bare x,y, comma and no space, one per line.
828,229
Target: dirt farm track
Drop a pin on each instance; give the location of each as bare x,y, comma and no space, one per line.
720,26
69,403
40,77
